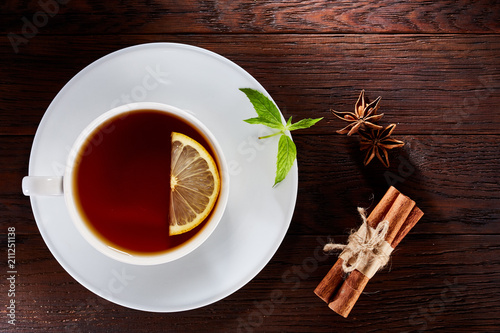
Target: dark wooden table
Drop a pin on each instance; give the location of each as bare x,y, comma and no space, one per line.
435,63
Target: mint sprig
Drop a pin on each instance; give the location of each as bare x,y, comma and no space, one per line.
269,115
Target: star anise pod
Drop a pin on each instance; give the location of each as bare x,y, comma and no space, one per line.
364,115
378,141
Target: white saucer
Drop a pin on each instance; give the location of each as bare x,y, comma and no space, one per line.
256,218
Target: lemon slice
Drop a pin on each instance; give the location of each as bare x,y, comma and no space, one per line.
194,184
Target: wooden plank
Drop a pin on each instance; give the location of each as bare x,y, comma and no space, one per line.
451,178
436,66
249,16
429,286
428,84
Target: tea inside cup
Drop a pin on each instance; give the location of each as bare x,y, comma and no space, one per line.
118,184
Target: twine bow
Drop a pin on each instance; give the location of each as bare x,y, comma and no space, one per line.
366,249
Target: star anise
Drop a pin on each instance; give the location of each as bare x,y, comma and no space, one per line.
364,115
378,141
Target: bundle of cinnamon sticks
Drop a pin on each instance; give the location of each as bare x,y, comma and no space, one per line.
341,290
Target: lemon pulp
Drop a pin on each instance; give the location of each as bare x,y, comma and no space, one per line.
194,184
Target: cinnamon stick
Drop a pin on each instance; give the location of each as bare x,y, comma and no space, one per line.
348,294
397,215
410,222
351,292
380,211
331,282
329,286
353,286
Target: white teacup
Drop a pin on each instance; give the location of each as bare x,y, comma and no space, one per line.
43,185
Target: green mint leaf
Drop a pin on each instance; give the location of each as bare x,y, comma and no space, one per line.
301,124
267,112
269,115
287,152
263,121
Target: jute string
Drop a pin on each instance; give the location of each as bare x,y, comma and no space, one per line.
366,249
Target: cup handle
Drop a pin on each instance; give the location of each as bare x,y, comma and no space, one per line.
42,185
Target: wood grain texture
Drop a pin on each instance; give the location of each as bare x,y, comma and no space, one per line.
428,84
333,182
436,65
428,287
422,170
249,16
